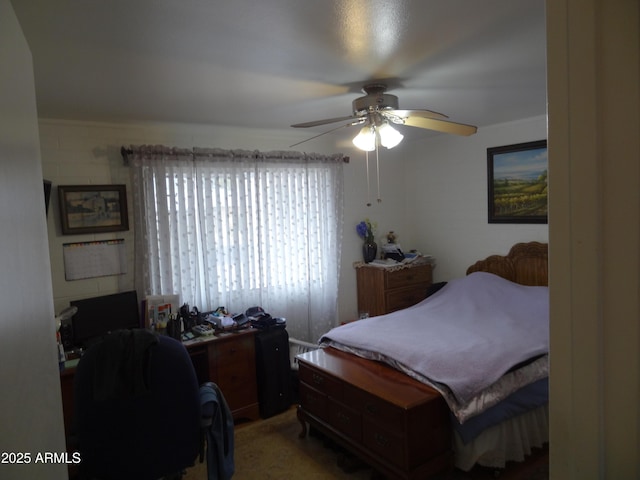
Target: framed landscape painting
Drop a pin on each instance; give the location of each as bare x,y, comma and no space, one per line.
93,208
517,183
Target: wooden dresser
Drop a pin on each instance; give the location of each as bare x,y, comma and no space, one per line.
392,422
385,290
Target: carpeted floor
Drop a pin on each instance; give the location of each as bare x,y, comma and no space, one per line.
271,449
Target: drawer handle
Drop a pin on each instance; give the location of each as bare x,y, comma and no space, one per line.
317,379
381,440
370,408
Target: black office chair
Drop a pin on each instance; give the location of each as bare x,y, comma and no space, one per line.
137,408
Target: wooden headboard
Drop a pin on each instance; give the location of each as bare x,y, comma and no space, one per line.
526,264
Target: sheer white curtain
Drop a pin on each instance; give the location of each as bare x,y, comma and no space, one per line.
241,228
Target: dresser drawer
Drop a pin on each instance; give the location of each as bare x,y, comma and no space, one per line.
376,410
317,379
232,350
382,290
408,276
346,420
240,395
384,442
235,376
315,402
404,297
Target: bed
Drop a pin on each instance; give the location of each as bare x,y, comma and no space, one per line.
475,393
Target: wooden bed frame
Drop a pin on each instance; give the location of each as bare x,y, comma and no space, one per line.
526,264
392,422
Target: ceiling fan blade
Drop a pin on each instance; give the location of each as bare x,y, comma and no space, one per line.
416,113
324,133
324,122
444,126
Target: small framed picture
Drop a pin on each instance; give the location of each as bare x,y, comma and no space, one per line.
93,208
517,183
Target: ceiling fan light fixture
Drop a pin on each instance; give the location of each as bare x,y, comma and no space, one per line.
377,110
389,136
366,139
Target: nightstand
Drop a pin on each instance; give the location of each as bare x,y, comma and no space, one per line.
387,289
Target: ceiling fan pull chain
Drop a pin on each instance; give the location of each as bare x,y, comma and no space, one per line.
366,158
378,173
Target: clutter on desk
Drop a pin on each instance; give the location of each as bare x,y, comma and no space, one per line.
215,321
174,327
186,323
157,308
261,319
220,319
203,330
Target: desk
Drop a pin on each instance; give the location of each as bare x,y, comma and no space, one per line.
227,359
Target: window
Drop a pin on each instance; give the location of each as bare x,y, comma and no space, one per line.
239,229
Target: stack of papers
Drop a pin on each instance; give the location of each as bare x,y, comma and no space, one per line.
384,263
409,258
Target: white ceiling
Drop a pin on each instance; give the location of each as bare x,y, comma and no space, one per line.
273,63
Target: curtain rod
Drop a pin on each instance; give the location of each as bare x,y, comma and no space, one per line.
125,152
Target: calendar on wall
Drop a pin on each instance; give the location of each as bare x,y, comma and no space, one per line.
94,259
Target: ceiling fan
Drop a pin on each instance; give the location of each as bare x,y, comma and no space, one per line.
377,110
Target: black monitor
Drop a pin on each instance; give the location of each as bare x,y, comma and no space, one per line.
98,316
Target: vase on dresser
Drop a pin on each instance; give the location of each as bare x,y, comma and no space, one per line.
369,251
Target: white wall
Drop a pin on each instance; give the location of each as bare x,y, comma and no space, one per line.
30,403
446,195
386,215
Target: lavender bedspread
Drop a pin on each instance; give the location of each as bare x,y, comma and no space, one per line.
465,337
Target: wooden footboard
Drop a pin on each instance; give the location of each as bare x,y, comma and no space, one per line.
394,423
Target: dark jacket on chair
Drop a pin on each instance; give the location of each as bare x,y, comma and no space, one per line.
218,424
137,410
